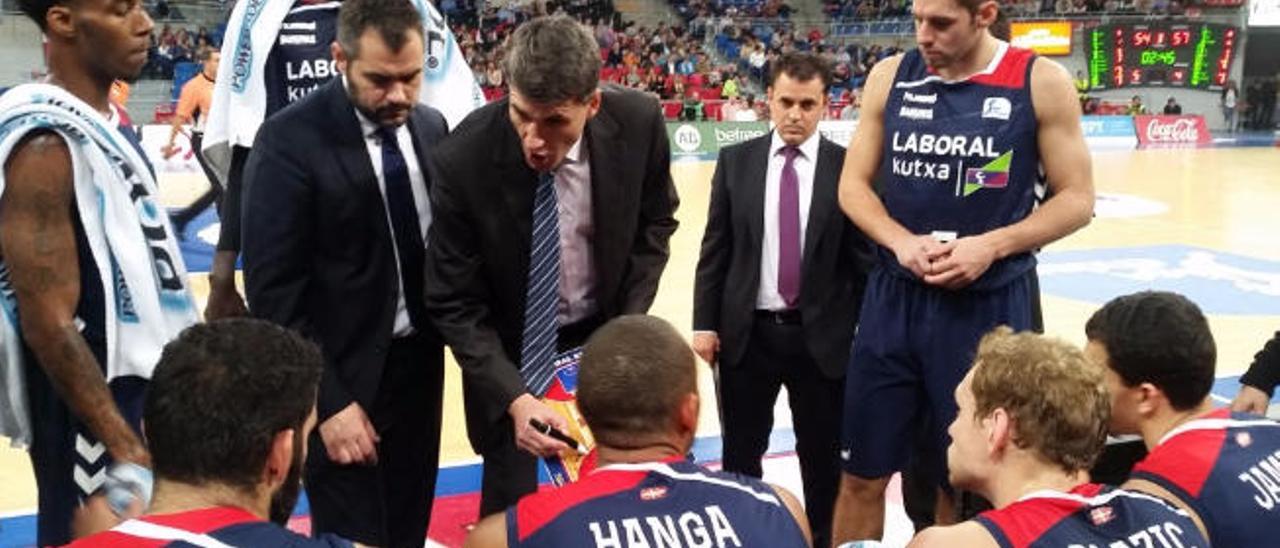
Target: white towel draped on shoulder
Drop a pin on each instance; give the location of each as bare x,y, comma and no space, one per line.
147,297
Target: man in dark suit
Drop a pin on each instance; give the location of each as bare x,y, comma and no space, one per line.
552,209
336,212
779,286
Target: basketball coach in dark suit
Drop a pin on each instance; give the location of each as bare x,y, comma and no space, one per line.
779,286
553,209
337,206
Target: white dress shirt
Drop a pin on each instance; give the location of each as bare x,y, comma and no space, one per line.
767,297
577,230
421,202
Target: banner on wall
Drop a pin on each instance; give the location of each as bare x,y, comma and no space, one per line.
703,140
1103,132
1172,130
838,131
1043,37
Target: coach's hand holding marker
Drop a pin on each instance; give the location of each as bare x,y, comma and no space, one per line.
550,431
524,410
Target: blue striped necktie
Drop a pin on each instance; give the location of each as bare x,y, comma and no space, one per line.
542,292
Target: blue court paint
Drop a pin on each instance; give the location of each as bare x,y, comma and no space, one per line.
1221,283
199,241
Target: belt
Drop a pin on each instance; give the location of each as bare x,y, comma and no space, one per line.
779,317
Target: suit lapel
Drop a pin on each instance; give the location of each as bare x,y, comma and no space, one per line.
606,152
753,192
417,129
826,177
516,182
351,150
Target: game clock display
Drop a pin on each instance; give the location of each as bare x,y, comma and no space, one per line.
1194,55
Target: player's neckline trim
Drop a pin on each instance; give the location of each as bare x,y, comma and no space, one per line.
1002,48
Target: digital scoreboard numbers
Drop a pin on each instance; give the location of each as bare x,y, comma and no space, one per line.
1195,55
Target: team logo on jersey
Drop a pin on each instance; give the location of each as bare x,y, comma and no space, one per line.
997,107
993,175
653,493
1243,439
1101,515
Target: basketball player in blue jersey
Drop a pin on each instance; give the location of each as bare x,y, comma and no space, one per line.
74,285
298,62
941,174
227,414
1032,419
637,390
1221,467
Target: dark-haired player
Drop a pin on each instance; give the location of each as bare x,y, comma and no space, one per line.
1222,467
637,389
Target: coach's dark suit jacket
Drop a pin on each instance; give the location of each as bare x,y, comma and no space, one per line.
318,251
833,271
478,246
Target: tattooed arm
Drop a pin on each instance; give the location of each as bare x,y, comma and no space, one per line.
37,240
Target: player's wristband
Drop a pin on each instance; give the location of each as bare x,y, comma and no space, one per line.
127,482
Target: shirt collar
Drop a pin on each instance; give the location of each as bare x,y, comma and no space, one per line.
808,149
577,153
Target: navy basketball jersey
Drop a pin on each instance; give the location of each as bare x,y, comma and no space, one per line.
300,61
961,156
674,503
1226,467
1091,516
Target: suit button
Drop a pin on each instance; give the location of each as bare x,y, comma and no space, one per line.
379,349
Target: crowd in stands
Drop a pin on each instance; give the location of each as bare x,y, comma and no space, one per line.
867,10
482,33
171,45
768,9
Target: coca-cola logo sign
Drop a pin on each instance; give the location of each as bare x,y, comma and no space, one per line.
1172,130
1180,131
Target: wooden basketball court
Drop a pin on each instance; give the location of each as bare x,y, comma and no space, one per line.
1204,221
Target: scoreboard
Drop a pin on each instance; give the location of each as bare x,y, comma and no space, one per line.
1193,55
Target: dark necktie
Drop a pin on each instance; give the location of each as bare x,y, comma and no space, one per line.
405,228
542,292
789,230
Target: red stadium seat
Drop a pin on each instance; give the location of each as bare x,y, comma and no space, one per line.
671,109
712,109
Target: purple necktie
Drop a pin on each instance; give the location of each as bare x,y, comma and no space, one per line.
789,230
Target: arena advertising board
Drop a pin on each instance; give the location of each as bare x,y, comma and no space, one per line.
1158,131
839,132
1109,131
703,140
1043,37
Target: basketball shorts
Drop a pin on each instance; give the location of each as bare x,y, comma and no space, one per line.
914,345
